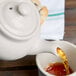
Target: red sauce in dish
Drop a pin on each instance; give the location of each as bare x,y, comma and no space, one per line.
57,69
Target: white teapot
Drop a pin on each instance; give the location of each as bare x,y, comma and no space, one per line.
19,29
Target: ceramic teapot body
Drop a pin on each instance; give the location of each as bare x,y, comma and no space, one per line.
19,28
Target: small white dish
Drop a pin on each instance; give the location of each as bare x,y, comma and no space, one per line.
43,59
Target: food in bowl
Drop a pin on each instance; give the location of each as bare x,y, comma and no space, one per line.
60,68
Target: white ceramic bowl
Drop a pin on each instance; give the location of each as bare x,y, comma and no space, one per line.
43,59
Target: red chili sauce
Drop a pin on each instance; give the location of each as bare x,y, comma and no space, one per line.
57,69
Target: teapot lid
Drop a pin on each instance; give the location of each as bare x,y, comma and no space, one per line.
19,20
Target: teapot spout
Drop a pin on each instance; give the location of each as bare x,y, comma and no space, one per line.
44,46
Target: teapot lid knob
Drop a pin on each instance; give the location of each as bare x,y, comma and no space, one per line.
23,9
